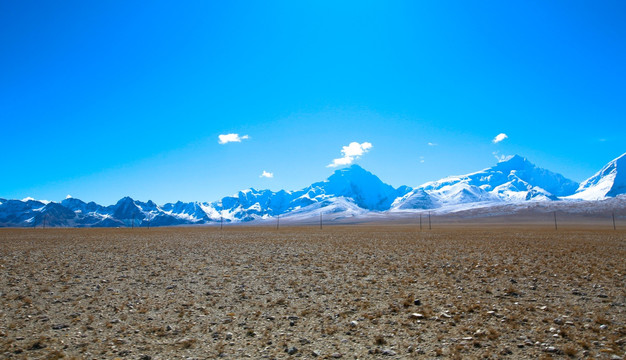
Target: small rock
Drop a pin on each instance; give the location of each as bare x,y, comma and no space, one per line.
304,341
603,327
417,316
229,335
558,321
354,323
389,352
145,357
417,302
336,355
292,350
37,345
316,353
551,349
615,357
60,326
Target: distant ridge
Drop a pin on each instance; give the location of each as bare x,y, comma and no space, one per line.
350,192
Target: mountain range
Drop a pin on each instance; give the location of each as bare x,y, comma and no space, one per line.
348,192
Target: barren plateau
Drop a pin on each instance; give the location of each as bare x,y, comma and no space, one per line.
347,292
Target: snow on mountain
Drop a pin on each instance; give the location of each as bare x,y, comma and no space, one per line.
365,188
610,181
192,212
414,199
514,179
331,209
19,212
347,194
361,187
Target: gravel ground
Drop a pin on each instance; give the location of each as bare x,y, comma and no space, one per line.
341,292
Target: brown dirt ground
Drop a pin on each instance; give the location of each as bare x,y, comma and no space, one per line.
344,291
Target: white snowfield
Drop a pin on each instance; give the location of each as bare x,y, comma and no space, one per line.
350,193
610,181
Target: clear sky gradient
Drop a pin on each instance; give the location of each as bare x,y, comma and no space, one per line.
106,99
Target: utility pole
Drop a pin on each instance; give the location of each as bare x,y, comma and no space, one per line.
320,221
429,226
277,221
613,214
221,222
420,221
555,227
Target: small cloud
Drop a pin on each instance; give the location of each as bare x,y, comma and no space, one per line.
421,159
267,174
432,144
499,137
351,153
226,138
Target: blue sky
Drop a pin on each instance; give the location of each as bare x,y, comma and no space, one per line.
106,99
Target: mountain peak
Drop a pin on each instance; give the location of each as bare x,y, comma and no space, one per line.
365,188
610,181
514,161
354,168
125,199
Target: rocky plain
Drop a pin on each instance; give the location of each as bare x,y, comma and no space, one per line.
349,292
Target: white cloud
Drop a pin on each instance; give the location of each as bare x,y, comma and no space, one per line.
226,138
68,196
351,153
432,144
422,159
266,174
499,137
501,157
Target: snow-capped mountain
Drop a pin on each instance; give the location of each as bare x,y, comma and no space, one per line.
511,180
354,183
349,193
610,181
